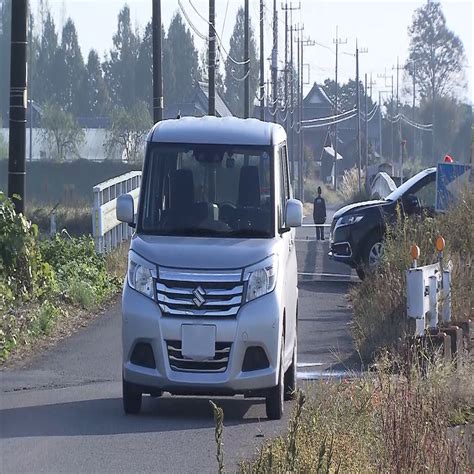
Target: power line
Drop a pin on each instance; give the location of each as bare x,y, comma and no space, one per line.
319,125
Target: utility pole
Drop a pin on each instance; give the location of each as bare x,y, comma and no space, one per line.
288,83
380,124
262,66
413,109
212,58
337,41
366,137
18,99
358,118
157,63
359,151
30,77
399,133
247,63
303,43
275,63
291,111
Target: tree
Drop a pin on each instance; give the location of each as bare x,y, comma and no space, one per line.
436,52
96,101
144,76
61,133
127,133
347,95
181,59
48,63
70,70
120,68
234,73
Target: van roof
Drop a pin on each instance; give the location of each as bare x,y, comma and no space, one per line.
217,130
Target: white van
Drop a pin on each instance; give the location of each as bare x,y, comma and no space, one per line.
210,300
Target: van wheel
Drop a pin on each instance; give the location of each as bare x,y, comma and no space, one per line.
291,375
274,399
132,398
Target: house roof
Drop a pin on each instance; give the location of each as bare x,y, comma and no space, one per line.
316,97
202,88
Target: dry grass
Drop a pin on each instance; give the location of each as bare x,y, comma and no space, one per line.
378,423
379,302
349,187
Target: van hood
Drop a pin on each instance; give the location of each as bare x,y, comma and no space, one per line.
358,205
202,252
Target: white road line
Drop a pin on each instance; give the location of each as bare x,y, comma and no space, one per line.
309,364
328,275
329,374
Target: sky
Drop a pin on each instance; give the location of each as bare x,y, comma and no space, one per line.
380,26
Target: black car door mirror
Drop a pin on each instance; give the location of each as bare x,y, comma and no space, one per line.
411,204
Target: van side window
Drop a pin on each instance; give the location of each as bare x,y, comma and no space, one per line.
284,183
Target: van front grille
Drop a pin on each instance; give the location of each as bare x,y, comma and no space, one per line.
199,294
217,364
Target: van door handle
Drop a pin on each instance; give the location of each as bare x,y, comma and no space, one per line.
291,244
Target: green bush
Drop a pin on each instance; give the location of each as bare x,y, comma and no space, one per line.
37,278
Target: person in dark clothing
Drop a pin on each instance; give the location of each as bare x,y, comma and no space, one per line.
319,215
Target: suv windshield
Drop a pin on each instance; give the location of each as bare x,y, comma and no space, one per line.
207,190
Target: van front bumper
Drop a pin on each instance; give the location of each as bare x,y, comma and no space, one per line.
256,324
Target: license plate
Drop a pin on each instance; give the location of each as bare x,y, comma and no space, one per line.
198,341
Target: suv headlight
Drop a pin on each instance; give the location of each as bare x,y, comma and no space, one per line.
140,274
261,278
349,220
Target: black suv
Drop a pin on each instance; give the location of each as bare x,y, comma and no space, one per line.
357,230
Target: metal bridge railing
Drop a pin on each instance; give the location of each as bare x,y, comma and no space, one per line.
107,231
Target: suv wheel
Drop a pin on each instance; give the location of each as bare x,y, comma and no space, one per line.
373,252
132,398
274,399
291,375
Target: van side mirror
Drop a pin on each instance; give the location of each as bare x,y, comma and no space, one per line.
294,213
125,209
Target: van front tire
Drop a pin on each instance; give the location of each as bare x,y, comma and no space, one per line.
132,398
274,400
291,375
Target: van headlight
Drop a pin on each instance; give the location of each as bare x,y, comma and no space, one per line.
140,274
261,278
349,220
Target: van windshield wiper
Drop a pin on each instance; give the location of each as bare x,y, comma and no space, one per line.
248,233
192,231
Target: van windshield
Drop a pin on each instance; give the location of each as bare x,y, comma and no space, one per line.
207,190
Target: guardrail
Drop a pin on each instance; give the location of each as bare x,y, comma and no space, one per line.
107,231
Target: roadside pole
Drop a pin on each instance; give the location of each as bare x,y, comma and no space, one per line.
18,102
262,67
247,63
212,58
275,63
157,63
358,119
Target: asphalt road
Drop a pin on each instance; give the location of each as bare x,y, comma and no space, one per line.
63,412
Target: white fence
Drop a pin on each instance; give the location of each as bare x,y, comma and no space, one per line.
108,232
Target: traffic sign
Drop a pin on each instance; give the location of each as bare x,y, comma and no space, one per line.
451,180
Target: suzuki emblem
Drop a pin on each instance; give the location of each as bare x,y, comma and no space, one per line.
199,294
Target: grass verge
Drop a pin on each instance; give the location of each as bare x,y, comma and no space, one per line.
392,420
379,302
47,284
